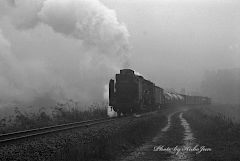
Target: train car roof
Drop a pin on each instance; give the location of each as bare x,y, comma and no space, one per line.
169,95
158,87
180,97
174,95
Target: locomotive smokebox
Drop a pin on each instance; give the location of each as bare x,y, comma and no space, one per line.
111,92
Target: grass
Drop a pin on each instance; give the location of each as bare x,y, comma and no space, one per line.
227,111
61,113
97,143
217,132
109,144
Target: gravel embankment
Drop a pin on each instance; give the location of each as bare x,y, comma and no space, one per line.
101,142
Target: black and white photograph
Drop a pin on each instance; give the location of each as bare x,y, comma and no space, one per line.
119,80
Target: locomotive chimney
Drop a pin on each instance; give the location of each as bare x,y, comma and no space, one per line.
127,72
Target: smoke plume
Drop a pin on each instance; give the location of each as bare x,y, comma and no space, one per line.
55,50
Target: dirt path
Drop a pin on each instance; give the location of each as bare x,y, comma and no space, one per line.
169,144
188,141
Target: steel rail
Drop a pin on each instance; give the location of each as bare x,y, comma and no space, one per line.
8,137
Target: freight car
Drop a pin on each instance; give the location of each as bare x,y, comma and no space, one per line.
132,93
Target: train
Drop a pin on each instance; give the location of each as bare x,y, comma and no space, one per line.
131,93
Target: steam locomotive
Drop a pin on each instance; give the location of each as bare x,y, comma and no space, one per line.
132,93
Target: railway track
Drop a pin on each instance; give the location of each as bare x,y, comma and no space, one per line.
19,135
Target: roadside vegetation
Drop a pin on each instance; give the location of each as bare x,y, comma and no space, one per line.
217,131
228,111
103,142
61,113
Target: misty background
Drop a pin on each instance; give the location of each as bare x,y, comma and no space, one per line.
191,44
55,50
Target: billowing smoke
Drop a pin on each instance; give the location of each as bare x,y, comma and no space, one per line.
55,50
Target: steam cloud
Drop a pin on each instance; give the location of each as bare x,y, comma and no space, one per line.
54,50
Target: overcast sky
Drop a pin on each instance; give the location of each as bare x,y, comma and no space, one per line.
53,50
174,41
